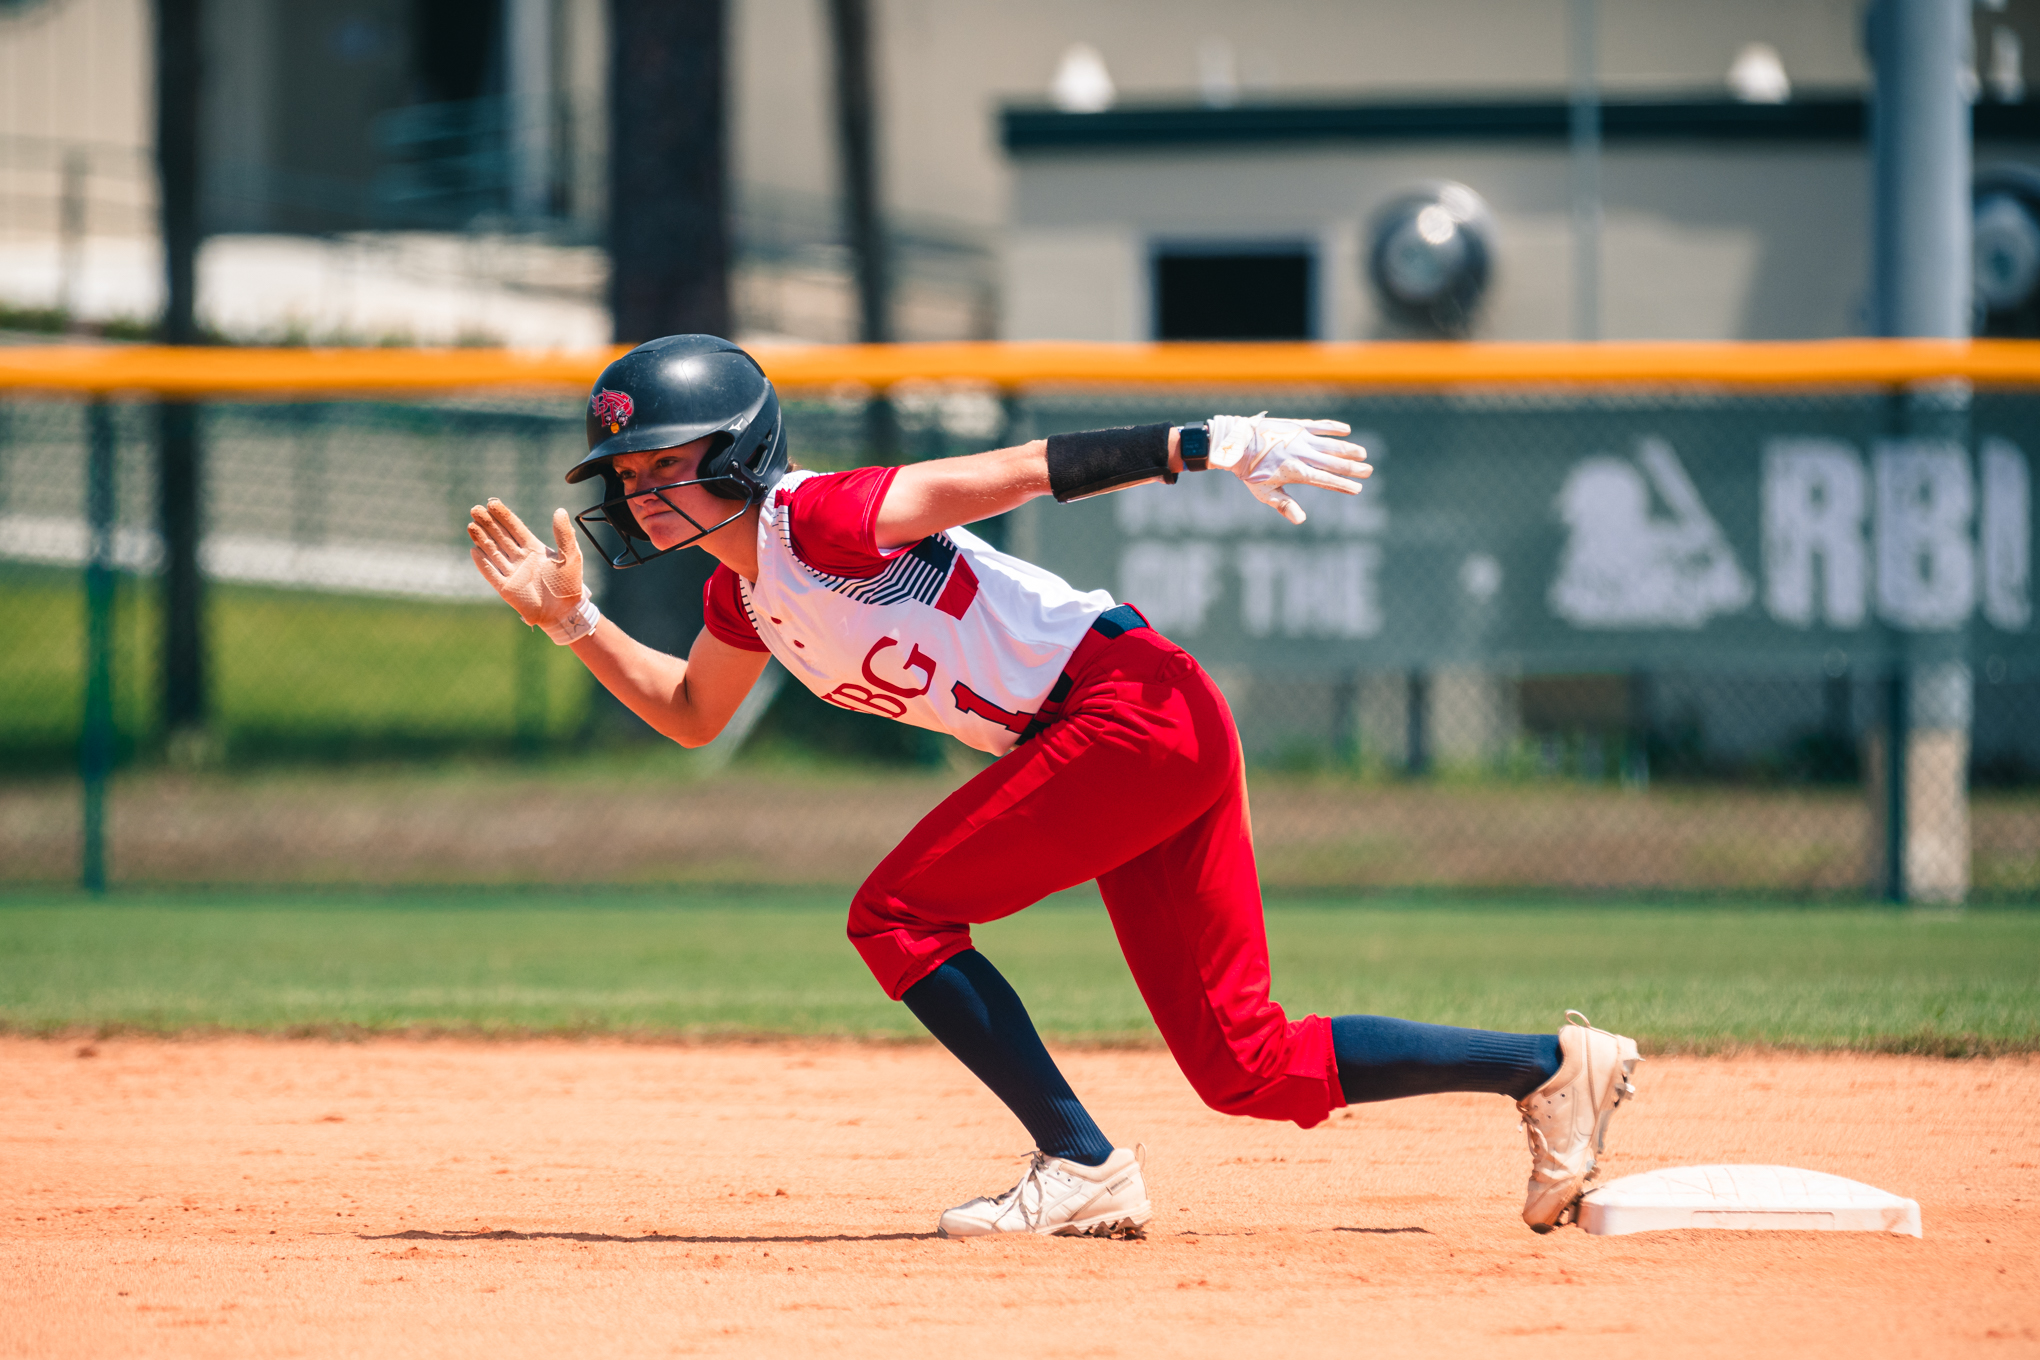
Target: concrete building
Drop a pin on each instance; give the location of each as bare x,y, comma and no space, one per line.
1720,220
332,118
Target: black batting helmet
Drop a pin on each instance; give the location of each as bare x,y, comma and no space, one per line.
670,392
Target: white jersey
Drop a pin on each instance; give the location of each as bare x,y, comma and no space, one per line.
952,635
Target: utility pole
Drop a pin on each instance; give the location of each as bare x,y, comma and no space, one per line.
1919,128
669,254
1920,253
179,470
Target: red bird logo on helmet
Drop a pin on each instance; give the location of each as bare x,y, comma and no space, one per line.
611,408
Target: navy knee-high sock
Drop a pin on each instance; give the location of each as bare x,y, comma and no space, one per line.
1383,1059
977,1015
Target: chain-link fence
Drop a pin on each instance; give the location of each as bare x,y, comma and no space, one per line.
1609,639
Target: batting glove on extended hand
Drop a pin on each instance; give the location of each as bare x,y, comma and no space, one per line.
543,584
1269,454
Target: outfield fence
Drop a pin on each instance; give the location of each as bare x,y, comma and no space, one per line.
1750,618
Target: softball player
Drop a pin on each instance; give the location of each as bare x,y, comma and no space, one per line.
1117,757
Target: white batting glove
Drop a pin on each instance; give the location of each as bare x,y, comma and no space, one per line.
543,584
1269,454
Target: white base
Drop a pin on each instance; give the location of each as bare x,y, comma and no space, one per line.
1744,1197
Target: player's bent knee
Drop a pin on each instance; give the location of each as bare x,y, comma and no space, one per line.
898,949
1233,1102
1297,1100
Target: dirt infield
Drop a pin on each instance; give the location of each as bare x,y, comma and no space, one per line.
288,1198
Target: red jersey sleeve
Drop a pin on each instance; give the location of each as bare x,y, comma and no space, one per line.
833,521
723,613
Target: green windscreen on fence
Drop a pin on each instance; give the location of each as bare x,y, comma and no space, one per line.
1606,638
1746,534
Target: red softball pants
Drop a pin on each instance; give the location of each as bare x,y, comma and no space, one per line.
1139,785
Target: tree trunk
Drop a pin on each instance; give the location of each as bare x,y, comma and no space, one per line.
669,251
669,241
177,85
863,221
857,147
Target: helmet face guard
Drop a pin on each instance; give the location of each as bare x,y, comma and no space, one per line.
628,544
669,393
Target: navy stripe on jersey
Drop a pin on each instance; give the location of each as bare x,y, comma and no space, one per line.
916,574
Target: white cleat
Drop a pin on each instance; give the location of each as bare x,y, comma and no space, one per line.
1566,1119
1058,1198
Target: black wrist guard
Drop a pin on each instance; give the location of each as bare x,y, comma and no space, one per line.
1100,461
1095,461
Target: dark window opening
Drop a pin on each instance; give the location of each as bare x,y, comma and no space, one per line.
1264,295
456,52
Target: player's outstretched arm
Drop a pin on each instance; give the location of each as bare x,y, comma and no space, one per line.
1265,453
690,701
926,498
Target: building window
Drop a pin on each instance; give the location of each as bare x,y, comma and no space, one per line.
1232,292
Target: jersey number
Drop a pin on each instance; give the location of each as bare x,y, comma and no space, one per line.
975,704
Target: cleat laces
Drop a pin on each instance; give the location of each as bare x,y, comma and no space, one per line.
1037,1162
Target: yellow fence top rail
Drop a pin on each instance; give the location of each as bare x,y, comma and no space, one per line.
195,372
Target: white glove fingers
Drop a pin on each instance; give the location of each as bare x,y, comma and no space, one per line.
1319,444
568,546
1345,467
483,527
1310,476
1280,503
485,549
504,516
491,573
1325,426
560,572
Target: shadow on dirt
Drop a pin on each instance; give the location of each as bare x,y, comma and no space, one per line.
506,1235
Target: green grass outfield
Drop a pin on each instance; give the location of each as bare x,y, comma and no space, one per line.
292,672
704,962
